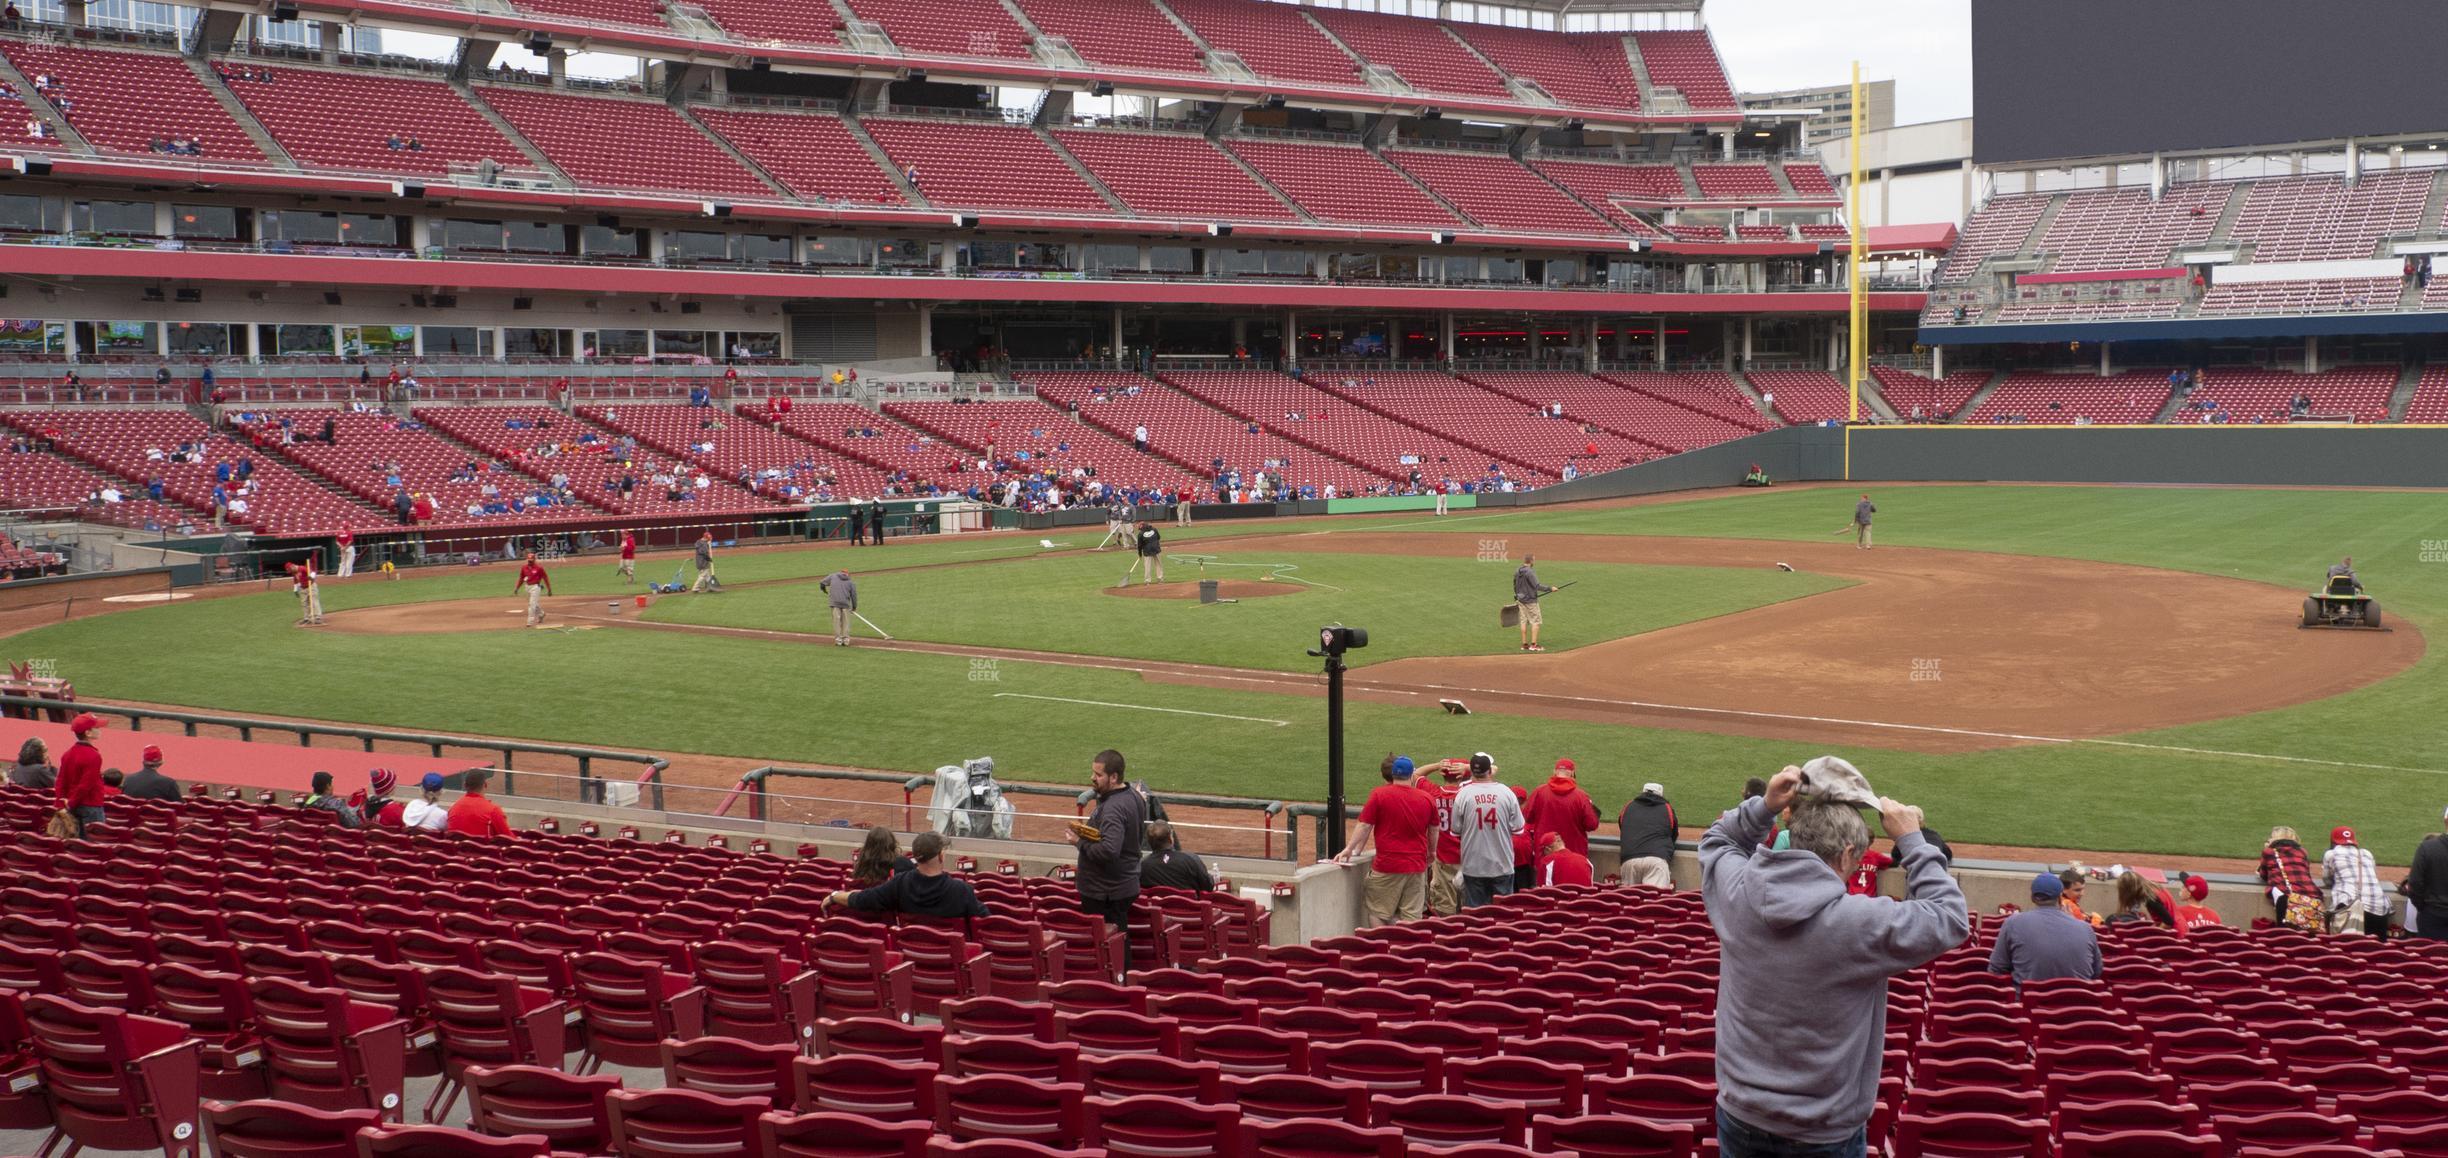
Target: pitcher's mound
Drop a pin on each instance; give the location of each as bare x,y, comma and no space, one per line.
1188,589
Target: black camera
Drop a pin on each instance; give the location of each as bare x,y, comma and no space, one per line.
1335,639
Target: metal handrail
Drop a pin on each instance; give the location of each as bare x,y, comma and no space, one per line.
751,788
650,780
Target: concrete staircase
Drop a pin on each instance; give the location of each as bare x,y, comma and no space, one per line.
680,108
1978,396
509,132
238,111
900,179
1640,72
1111,198
2409,376
2040,227
2234,208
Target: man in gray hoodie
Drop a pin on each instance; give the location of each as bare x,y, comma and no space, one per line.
1802,997
842,596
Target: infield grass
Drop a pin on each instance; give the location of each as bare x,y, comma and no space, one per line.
790,701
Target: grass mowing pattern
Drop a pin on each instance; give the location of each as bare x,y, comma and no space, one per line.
791,701
1411,606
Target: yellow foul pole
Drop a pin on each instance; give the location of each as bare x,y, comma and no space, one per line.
1857,363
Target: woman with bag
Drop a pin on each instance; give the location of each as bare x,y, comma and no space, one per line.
2287,872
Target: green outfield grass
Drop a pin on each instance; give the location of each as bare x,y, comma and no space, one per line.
791,701
1438,605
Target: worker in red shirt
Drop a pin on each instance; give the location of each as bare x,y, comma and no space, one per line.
78,791
1397,816
1559,865
1559,806
474,814
309,593
422,510
537,585
628,563
348,554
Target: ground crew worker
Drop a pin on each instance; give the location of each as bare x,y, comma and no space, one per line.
537,585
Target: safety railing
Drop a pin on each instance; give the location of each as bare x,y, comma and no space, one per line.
754,798
649,780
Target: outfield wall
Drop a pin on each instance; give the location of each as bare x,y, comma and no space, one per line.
2368,456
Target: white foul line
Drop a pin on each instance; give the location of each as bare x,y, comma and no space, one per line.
1142,707
1975,732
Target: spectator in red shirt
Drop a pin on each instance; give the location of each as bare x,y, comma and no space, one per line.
1559,865
376,804
474,814
1397,816
2193,914
112,779
628,563
423,509
1445,872
1560,807
79,789
1864,881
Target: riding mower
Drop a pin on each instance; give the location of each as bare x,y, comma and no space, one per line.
2341,603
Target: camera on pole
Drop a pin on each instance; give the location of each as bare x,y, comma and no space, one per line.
1333,640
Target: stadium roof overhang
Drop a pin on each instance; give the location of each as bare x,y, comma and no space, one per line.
154,267
675,47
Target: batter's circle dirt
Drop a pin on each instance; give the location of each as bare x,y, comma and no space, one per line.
1225,589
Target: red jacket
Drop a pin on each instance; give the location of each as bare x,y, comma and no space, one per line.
477,816
1559,806
80,777
1562,868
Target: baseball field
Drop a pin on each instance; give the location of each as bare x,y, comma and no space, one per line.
2066,667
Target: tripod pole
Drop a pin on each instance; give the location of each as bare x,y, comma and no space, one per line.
1334,755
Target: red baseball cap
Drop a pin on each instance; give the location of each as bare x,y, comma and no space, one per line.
85,722
152,754
2341,835
1565,765
2198,888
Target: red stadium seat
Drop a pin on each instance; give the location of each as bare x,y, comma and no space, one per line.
2141,1144
1002,1106
728,1067
1317,1138
681,1123
868,1086
1446,1120
882,1037
1285,1096
629,1008
445,1142
1020,1057
1161,1127
566,1110
268,1129
825,1135
116,1081
1612,1136
325,1051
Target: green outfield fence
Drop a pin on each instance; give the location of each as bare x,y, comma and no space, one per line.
591,785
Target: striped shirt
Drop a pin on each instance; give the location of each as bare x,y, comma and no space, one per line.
2352,879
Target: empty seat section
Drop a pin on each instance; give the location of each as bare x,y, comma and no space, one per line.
1048,436
2245,394
347,119
1482,417
125,101
747,453
2339,296
855,432
2132,396
1805,395
1173,175
1686,61
1685,232
780,20
1418,50
541,442
1498,191
2098,230
622,144
284,503
948,27
1996,229
1274,40
1117,33
642,13
812,153
985,165
1570,67
1737,183
1351,431
1196,436
1344,184
365,449
1617,188
1615,407
44,482
1809,180
2324,219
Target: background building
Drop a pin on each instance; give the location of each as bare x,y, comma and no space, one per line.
1834,103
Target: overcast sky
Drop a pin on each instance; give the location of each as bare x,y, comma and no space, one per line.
1925,46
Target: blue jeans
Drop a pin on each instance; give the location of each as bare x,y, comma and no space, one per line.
1477,891
86,817
1739,1139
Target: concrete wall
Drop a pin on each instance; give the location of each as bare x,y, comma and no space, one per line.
1790,454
